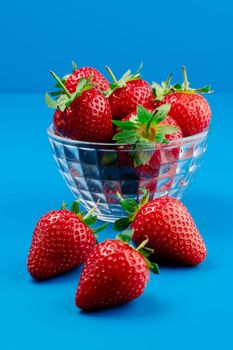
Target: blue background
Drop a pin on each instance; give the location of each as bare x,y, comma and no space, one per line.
182,307
42,35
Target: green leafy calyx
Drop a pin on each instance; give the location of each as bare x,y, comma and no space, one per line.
161,90
141,249
144,127
128,76
131,207
63,97
88,219
125,236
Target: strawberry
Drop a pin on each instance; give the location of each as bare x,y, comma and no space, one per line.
84,115
61,242
97,79
190,109
169,228
124,95
142,128
114,273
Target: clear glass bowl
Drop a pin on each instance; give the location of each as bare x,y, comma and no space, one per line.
97,171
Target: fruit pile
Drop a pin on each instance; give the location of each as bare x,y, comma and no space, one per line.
114,271
127,111
136,116
88,108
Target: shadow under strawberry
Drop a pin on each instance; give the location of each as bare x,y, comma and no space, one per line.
136,307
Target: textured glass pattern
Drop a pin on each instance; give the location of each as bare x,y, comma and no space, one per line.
96,171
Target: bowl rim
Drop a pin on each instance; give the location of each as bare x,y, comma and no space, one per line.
202,135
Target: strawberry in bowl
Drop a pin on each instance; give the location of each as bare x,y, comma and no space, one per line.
97,79
84,114
188,107
127,93
118,137
153,127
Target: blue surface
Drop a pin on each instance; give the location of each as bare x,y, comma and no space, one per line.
182,308
43,35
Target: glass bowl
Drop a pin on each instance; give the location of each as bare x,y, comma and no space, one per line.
97,171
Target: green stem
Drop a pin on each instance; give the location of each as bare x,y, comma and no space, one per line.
142,245
119,196
111,74
98,229
91,211
149,124
60,83
186,82
74,66
64,205
167,82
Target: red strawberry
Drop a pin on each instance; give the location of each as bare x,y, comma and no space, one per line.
84,115
169,227
61,242
127,93
188,107
113,274
88,118
141,128
97,79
